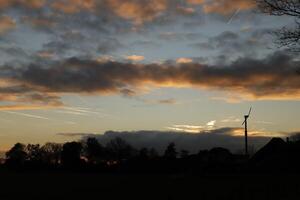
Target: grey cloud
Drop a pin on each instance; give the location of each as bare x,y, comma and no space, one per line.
272,77
243,75
43,83
109,45
190,36
77,134
229,43
193,142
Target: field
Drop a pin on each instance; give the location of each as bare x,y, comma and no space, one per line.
147,186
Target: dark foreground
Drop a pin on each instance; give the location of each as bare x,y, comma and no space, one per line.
148,186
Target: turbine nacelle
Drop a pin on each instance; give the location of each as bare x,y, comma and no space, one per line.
247,116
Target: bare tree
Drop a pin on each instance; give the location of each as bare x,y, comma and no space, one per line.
287,36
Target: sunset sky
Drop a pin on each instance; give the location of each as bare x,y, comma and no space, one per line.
74,67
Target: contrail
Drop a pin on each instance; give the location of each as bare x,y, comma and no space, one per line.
37,117
85,111
27,115
233,16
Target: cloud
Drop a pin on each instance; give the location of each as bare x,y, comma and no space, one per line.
184,60
76,134
137,11
6,24
135,58
109,45
187,128
73,6
273,77
230,43
25,97
34,4
223,6
193,142
211,124
114,15
25,107
208,127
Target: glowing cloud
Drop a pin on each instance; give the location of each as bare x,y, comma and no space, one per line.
135,58
184,60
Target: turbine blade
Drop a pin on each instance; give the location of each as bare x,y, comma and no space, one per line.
250,111
243,122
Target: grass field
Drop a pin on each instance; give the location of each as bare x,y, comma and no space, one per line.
147,186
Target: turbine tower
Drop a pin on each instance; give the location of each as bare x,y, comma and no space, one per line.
246,131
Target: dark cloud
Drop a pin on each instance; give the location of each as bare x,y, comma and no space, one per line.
59,47
190,36
14,51
109,45
272,77
77,134
193,142
145,44
24,94
229,43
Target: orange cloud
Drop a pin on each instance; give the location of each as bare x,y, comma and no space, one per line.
184,60
26,3
45,54
135,58
137,11
274,77
195,1
25,107
73,6
223,6
6,24
227,6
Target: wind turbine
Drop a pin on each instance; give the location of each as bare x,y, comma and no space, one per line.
246,131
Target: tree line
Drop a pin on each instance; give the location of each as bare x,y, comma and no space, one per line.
119,156
79,153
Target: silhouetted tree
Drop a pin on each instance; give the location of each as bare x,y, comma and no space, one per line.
119,149
219,155
144,154
16,156
170,152
153,153
93,150
51,153
34,153
295,137
184,153
289,37
70,155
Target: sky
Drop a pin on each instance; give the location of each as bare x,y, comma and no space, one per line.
70,67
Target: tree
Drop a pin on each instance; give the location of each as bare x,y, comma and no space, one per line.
16,156
51,153
119,149
170,152
153,153
144,154
70,155
34,153
184,153
93,150
288,37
